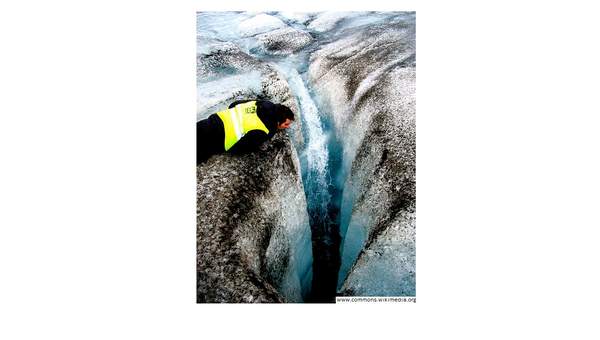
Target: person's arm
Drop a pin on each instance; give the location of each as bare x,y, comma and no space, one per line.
250,142
238,102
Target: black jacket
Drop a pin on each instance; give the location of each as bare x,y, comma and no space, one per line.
210,133
253,139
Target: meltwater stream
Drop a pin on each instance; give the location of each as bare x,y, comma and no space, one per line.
319,163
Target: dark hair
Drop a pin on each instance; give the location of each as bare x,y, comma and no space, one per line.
283,112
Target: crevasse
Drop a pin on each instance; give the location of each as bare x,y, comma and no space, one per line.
324,160
322,194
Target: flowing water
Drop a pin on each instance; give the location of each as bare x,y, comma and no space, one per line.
319,167
321,155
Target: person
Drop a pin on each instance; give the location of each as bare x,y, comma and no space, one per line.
241,128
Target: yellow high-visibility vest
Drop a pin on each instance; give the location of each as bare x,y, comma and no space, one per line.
238,121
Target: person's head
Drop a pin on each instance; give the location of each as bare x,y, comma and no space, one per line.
285,116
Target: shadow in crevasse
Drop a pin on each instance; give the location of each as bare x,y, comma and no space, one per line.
325,227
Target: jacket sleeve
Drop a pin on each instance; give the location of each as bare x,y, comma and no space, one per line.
237,102
250,142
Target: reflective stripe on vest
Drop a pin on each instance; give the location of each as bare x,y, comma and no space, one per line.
238,121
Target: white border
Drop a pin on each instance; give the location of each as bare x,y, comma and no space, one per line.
97,189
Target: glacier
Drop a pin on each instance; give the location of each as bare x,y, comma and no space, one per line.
332,209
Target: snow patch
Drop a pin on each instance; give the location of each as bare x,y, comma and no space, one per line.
327,20
220,25
259,24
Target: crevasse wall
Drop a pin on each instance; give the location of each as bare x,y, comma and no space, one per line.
253,233
366,79
252,239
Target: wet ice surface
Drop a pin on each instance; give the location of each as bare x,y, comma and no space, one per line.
235,47
220,90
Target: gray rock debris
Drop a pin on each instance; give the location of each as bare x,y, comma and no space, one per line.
284,41
253,234
367,80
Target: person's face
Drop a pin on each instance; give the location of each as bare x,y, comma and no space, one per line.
285,124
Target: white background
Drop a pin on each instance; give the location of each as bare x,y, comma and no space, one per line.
97,176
